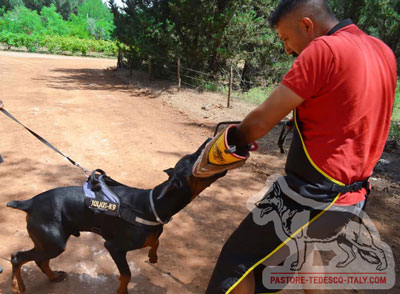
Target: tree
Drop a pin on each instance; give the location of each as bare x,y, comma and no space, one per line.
21,20
96,17
10,4
210,35
64,7
53,22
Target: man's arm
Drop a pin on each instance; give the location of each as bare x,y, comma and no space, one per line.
263,118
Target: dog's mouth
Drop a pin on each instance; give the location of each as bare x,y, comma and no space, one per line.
265,207
181,175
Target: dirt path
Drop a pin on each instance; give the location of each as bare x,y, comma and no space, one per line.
132,131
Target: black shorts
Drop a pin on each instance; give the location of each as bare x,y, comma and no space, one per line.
259,242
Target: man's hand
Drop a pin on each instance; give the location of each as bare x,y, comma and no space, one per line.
224,150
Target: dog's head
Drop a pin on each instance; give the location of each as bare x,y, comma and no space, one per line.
271,201
181,175
181,186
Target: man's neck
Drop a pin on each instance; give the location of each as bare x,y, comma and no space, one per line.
328,26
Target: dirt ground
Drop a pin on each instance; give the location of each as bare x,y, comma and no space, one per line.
133,130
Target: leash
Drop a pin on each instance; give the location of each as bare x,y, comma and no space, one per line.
44,141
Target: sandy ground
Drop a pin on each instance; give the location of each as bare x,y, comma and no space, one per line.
133,130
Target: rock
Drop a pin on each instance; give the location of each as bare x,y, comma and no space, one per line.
206,107
381,165
391,146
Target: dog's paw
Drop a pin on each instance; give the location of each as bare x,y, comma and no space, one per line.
14,287
341,264
153,259
122,291
17,289
381,267
295,266
59,276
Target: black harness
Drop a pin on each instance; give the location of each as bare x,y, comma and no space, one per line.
306,179
101,196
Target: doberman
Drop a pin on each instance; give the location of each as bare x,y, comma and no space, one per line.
53,216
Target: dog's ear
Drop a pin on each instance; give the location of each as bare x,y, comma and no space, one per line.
203,146
169,171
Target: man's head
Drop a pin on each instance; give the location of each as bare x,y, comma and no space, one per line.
298,22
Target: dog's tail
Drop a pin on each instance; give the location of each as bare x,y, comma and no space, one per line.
368,256
22,205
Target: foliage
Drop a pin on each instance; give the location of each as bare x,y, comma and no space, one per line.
57,44
21,20
210,36
97,18
207,35
23,27
394,130
92,18
64,7
395,123
396,107
256,95
53,22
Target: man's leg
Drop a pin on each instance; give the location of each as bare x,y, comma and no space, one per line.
248,245
246,286
317,261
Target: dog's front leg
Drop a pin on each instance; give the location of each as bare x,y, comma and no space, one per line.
153,242
153,251
119,257
301,254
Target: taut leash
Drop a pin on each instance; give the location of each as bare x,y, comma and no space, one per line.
44,141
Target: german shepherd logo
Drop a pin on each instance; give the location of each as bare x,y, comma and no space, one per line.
354,237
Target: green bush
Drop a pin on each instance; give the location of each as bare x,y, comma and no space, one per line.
57,44
396,107
30,42
257,95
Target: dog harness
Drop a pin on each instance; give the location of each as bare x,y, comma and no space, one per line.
100,198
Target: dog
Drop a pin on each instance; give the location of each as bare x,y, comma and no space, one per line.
53,216
353,235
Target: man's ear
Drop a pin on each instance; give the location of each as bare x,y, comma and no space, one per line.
308,25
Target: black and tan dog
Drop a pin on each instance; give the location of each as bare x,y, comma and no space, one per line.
55,215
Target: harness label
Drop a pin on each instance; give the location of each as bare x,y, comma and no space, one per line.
97,204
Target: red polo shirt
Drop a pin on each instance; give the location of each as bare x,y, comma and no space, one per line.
347,81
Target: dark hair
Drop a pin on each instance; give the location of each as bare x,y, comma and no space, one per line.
286,6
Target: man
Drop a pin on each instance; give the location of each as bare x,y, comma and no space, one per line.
342,88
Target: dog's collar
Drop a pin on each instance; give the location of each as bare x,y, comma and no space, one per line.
146,222
159,220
